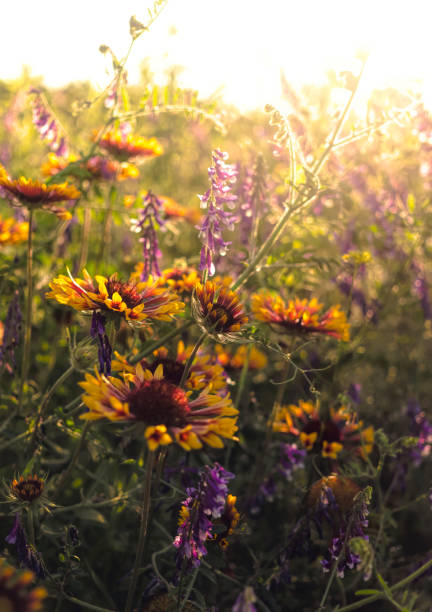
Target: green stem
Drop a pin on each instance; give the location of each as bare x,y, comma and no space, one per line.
188,590
45,401
84,604
28,312
399,585
74,459
147,351
85,238
30,525
190,361
145,511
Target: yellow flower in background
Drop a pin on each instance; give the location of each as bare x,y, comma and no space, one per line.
235,359
169,413
126,147
300,316
135,302
17,593
12,231
340,430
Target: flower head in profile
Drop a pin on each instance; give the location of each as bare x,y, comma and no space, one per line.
12,231
168,413
127,146
204,372
135,302
300,316
27,488
35,194
218,311
329,436
16,590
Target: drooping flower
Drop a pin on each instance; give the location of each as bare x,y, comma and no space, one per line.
35,194
204,503
300,316
168,412
222,176
47,125
330,435
12,231
11,333
98,331
136,302
218,311
204,371
27,555
16,591
146,224
127,146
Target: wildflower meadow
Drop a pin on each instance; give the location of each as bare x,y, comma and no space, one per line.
215,348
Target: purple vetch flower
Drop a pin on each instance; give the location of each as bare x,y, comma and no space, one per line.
222,176
251,199
354,392
265,493
27,555
11,334
149,219
422,429
292,458
245,601
97,331
203,504
47,125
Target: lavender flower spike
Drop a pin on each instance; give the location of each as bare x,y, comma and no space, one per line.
204,503
149,219
47,125
97,331
222,176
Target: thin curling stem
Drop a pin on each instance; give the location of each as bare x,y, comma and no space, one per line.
145,512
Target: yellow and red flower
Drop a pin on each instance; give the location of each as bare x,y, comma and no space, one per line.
16,590
330,435
135,302
235,359
12,231
204,371
173,209
55,164
97,166
27,488
129,146
35,194
169,413
218,311
181,280
300,316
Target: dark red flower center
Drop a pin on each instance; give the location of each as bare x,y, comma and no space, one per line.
128,291
173,370
28,489
159,402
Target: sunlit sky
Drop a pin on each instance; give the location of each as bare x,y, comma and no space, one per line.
236,46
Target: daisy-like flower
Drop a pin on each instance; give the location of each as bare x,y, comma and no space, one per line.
97,167
16,591
126,147
12,231
135,302
168,413
218,311
204,371
300,316
28,488
329,436
35,194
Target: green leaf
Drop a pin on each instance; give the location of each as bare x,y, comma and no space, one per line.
92,515
367,592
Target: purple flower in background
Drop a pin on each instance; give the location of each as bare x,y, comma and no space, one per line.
11,334
354,392
149,219
47,125
222,176
27,555
97,331
251,199
292,459
421,288
204,503
245,601
422,429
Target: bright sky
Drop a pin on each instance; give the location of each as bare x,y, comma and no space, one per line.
240,45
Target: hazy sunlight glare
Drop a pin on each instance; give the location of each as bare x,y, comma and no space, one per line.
239,46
